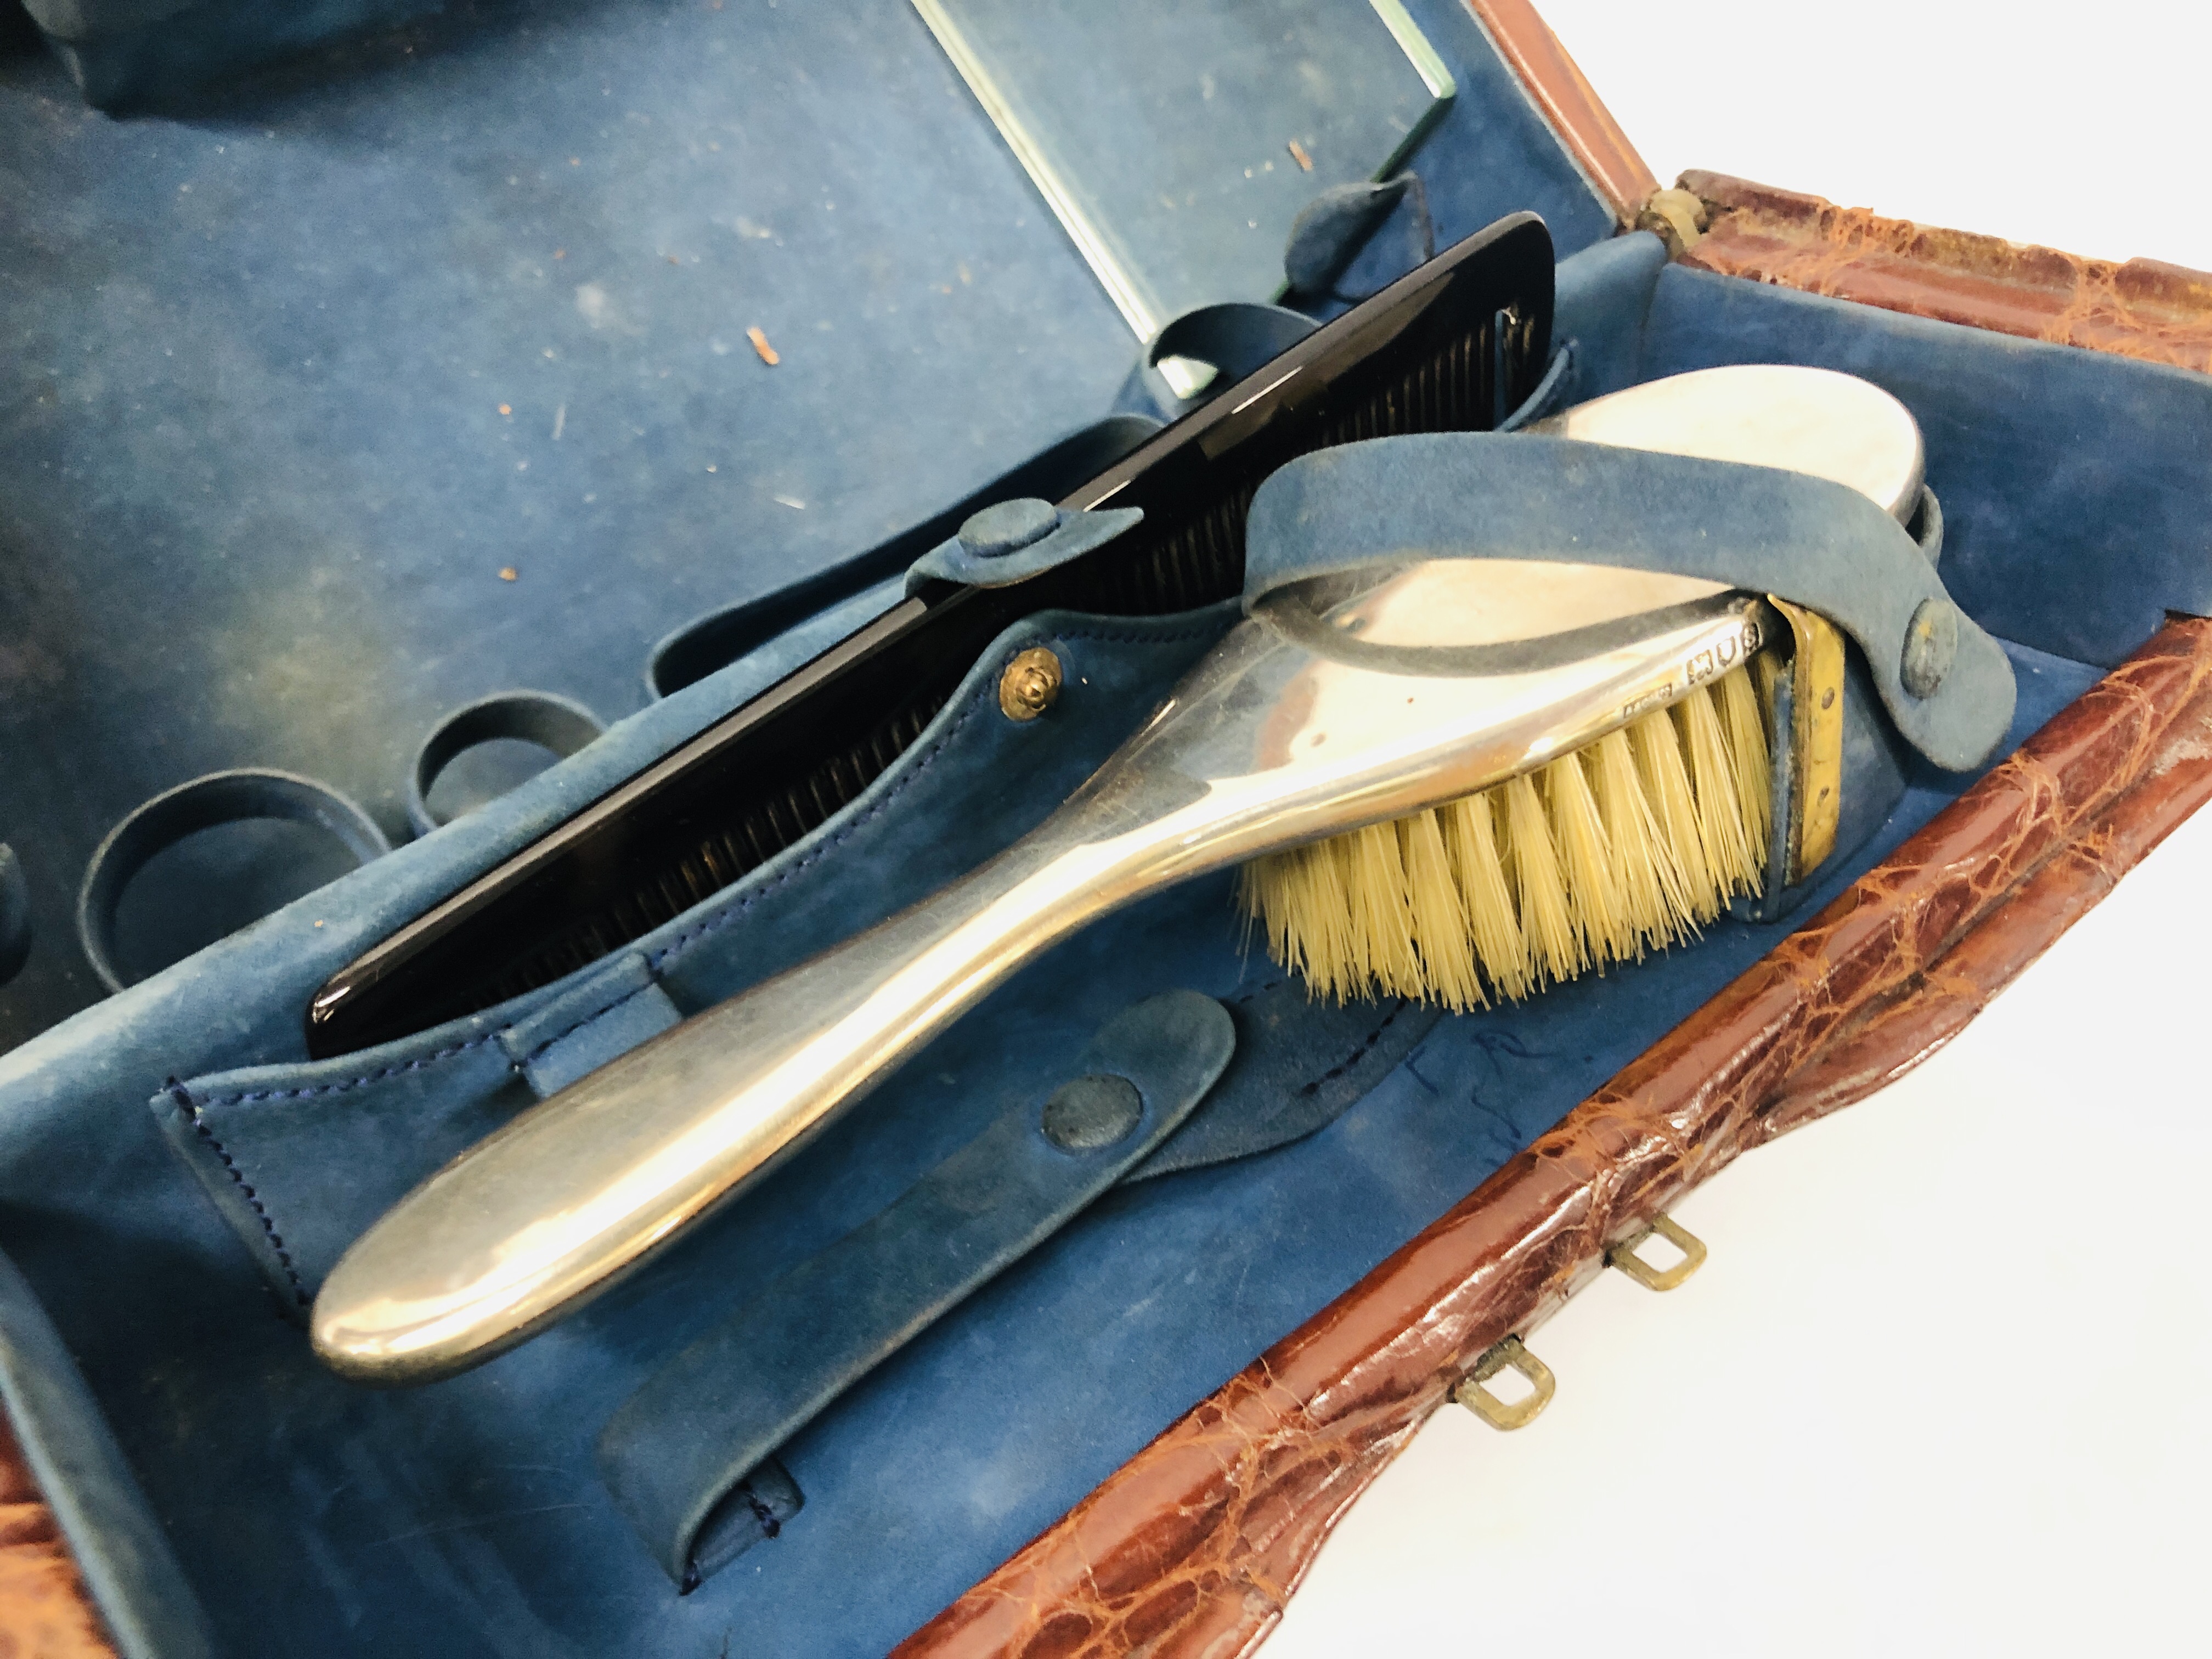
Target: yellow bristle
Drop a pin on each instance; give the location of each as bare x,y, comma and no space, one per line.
1382,921
1720,814
1646,873
1667,786
1315,921
1471,833
1585,855
1440,926
1547,928
1263,895
1603,853
1746,735
1260,903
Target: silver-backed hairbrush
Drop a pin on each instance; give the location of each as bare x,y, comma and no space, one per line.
1472,675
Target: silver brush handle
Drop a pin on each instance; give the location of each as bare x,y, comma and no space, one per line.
1302,724
543,1212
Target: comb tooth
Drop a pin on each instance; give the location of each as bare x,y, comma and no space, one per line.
1594,900
1645,870
1667,784
1381,921
1471,833
1440,928
1555,950
1746,734
1720,825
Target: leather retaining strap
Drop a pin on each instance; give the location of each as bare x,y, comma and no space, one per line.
1946,685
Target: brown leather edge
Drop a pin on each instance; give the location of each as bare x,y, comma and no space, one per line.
1569,104
45,1610
1194,1546
2142,308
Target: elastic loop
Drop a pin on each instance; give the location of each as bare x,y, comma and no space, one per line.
560,724
218,798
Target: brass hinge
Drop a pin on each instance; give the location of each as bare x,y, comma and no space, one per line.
1676,217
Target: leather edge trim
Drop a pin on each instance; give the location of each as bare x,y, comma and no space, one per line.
1194,1546
1569,105
2140,308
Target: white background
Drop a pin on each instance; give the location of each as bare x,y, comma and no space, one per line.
1942,1387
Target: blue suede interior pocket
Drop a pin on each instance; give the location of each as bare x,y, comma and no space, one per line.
945,1456
300,1158
471,301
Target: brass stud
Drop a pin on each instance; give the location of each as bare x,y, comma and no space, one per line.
1623,1255
1499,1413
1031,682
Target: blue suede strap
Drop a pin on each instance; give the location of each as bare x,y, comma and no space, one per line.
1300,1061
609,1014
679,1450
1463,495
1071,533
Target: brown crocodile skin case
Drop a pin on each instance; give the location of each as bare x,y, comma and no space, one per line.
1194,1546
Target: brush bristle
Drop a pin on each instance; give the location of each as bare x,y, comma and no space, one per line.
1595,859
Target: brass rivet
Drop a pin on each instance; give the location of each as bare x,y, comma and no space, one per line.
1031,683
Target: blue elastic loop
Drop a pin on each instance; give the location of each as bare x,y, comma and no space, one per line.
560,724
218,798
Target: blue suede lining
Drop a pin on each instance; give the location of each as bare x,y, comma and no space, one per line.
256,480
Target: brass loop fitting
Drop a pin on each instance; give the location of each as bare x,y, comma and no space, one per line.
1623,1255
1499,1413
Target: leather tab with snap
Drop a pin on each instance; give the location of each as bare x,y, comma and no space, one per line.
1012,541
681,1449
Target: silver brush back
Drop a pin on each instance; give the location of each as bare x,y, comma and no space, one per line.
1344,702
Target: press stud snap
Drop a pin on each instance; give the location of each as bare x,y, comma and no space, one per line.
1503,1414
1623,1255
1008,527
1092,1113
1031,682
1931,645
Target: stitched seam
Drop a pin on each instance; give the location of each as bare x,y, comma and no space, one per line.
1359,1053
567,1032
283,1256
340,1087
984,696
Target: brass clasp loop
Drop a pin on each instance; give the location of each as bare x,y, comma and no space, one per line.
1623,1255
1499,1413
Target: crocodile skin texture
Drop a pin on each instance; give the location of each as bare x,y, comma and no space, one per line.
44,1611
1193,1547
2143,308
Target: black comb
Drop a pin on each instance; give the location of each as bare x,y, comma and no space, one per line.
1454,346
